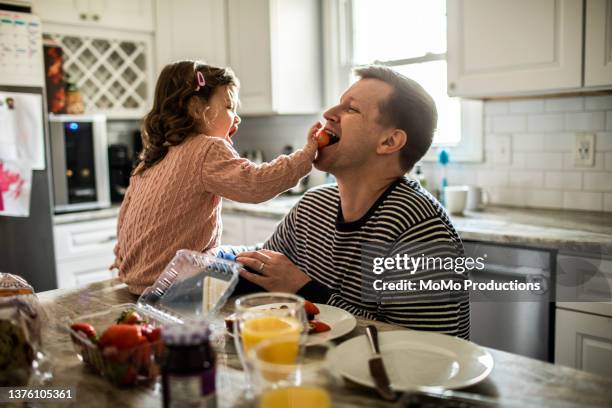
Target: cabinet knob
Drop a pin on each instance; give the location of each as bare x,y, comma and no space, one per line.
83,16
451,86
95,17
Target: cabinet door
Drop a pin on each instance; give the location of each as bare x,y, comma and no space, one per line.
190,29
598,44
133,15
249,51
258,230
233,230
90,238
500,47
74,273
584,341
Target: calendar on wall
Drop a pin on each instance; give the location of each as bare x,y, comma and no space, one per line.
21,58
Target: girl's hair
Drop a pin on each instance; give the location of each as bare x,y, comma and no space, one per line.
171,119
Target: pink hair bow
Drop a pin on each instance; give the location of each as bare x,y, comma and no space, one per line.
200,79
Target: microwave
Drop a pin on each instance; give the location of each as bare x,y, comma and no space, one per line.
79,161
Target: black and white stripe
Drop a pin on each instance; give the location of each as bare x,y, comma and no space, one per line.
330,251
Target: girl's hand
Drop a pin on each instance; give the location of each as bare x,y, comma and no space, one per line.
311,144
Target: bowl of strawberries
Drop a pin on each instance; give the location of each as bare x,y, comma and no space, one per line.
122,344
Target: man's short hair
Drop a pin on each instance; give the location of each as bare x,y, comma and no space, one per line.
409,108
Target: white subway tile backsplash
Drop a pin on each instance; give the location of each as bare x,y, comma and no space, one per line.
462,175
603,142
597,182
609,120
488,124
527,142
509,124
603,102
526,179
527,106
564,104
543,198
518,160
558,142
546,123
569,180
488,177
580,200
585,121
544,160
608,162
608,202
496,107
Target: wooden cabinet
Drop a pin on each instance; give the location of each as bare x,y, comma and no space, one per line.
522,47
190,29
84,251
598,43
274,48
584,341
132,15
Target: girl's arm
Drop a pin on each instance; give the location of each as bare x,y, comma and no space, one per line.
228,175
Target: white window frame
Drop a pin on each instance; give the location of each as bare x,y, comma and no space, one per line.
337,57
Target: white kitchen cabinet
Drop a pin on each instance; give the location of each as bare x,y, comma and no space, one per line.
274,48
190,29
132,15
598,43
241,229
258,229
233,230
520,47
84,251
584,341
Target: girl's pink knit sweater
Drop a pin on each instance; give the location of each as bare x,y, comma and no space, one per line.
176,204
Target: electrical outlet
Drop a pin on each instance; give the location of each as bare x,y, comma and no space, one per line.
584,151
502,149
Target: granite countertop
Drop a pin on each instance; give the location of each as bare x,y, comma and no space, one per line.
514,380
566,231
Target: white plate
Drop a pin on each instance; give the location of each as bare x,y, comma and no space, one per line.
340,321
415,360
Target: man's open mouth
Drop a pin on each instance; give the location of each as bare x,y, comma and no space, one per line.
327,138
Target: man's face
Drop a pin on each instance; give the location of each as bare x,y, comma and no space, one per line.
355,120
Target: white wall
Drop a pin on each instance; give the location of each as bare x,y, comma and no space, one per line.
541,172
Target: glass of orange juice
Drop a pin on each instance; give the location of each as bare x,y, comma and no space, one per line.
305,383
263,316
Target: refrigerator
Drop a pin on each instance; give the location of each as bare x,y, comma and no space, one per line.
26,211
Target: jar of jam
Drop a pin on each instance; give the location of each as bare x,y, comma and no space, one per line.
188,368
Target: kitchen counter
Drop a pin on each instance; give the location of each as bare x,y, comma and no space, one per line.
515,380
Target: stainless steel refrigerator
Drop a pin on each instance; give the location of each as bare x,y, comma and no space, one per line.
26,242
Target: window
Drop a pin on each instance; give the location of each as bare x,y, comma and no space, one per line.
410,37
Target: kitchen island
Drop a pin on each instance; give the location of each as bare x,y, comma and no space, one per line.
515,380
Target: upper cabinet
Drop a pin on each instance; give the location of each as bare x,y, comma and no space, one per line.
131,15
598,43
525,47
190,29
274,48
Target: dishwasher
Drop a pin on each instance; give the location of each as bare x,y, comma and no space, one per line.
518,322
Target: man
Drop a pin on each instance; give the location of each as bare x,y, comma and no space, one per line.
385,123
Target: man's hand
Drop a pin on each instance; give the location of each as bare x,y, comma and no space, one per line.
278,273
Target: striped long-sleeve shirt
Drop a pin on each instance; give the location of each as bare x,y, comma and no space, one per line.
406,219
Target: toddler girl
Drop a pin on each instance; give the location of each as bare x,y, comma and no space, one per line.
186,166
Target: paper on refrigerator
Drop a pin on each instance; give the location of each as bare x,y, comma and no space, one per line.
15,188
21,128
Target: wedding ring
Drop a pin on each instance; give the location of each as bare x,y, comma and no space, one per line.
261,268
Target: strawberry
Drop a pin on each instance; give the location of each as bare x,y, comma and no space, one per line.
317,326
310,308
323,139
87,329
151,332
121,336
130,317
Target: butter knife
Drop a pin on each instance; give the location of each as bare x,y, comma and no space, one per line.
377,367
